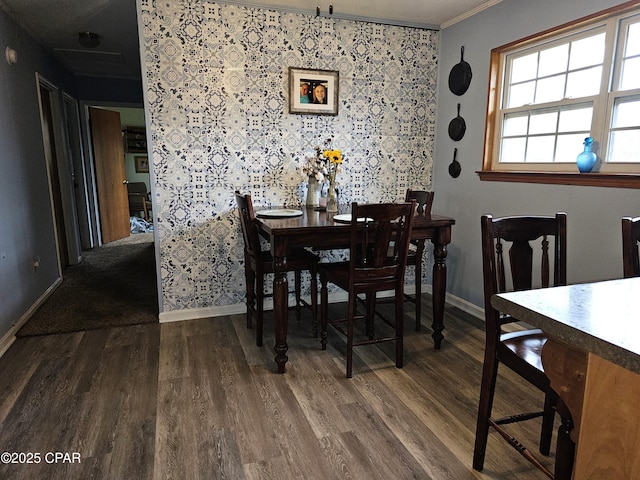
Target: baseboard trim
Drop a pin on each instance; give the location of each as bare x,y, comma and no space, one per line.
239,308
8,338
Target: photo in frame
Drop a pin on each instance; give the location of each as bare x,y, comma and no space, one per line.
142,163
313,91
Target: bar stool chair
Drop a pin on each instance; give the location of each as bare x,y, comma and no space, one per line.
424,201
520,350
258,263
379,242
630,240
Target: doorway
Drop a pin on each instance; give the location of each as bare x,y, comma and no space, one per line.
60,171
129,151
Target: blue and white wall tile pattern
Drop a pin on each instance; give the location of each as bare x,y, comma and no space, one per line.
216,89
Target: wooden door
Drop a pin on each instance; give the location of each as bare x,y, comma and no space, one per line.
108,153
52,166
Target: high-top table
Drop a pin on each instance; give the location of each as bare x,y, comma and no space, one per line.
592,358
317,229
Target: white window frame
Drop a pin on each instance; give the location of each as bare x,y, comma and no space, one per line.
609,174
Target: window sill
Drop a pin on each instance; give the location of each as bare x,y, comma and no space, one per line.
557,178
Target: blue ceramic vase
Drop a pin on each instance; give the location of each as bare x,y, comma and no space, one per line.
587,159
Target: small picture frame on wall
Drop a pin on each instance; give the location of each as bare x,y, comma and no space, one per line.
313,91
142,163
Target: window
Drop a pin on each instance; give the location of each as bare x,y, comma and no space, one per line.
549,92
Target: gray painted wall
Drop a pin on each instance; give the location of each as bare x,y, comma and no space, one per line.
594,241
25,210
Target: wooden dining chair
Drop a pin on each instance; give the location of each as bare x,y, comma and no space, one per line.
258,263
630,241
379,243
424,201
508,258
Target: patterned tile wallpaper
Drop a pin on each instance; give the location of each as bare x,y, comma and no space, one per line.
217,90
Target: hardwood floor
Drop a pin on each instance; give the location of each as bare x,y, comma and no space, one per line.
198,399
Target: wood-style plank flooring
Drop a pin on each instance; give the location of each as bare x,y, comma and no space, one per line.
197,399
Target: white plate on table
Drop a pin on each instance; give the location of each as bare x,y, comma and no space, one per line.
279,213
346,218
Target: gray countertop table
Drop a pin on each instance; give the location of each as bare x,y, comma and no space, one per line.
601,317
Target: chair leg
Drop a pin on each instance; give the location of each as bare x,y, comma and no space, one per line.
418,298
548,418
250,279
565,448
298,286
399,304
487,390
351,313
324,300
314,301
259,307
371,313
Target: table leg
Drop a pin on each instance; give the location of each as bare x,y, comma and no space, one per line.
280,310
439,287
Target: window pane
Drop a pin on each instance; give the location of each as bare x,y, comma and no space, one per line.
626,114
575,119
584,83
624,146
524,68
633,40
512,150
630,74
521,94
540,149
569,147
543,123
586,52
553,60
515,124
550,89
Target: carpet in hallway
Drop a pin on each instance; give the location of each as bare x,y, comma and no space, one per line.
113,286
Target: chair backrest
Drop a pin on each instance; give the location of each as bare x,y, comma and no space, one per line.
630,240
247,223
137,187
515,269
379,243
424,200
137,203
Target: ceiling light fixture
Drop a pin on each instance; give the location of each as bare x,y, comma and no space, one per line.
11,56
88,39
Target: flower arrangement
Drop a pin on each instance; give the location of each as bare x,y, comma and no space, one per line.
317,166
323,163
334,158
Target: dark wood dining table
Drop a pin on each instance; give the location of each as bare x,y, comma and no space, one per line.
317,229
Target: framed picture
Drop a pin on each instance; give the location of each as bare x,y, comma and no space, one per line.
142,163
313,91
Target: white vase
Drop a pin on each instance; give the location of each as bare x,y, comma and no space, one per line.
314,189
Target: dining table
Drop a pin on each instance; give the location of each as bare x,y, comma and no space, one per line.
322,230
592,359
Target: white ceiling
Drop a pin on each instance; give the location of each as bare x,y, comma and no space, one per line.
56,23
